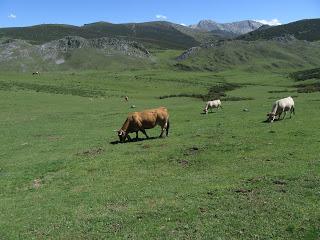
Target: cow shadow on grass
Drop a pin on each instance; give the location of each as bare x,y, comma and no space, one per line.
276,120
202,113
134,140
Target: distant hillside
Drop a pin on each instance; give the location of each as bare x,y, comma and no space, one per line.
308,29
235,28
72,53
151,34
274,55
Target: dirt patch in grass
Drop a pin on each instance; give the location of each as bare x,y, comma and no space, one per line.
191,151
242,190
188,152
116,207
183,162
256,179
279,182
116,227
91,152
203,209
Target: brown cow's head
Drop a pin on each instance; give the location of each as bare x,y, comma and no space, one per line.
271,117
122,135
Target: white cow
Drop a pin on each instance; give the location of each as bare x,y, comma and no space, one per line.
281,106
212,104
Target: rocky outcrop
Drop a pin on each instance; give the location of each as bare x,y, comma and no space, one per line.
21,55
108,46
238,28
188,53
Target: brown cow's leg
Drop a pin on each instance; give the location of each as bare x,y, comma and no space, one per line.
167,127
162,125
144,132
129,138
137,135
162,131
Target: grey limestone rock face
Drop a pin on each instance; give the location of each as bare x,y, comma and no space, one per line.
238,28
107,45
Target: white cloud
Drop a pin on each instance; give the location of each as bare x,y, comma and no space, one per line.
161,17
272,22
183,24
12,16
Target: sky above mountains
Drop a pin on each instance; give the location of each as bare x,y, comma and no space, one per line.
30,12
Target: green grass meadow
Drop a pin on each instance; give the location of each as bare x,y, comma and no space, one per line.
224,175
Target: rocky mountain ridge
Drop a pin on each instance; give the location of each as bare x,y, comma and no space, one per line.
237,28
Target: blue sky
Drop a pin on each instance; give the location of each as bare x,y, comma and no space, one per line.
31,12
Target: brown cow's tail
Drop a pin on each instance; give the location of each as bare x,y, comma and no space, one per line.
168,126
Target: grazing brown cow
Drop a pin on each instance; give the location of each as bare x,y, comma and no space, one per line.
147,119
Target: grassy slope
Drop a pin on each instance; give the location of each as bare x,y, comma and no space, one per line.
158,188
256,56
307,29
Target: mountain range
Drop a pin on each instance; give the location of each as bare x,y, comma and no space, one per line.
206,45
159,34
152,34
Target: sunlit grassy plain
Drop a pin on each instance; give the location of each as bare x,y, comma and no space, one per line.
225,175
